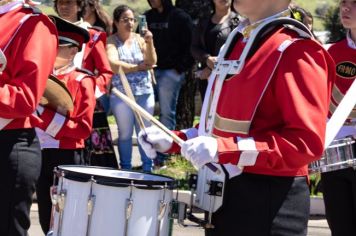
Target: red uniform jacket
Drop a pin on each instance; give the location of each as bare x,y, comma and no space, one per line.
30,59
285,126
345,60
96,60
69,132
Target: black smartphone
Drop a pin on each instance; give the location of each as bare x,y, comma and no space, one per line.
142,25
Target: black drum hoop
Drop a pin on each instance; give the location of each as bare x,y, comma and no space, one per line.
115,181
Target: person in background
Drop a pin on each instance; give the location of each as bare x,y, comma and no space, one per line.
94,59
264,124
302,15
172,31
28,49
62,136
209,36
97,17
339,186
136,56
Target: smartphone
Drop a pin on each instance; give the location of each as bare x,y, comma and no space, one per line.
142,25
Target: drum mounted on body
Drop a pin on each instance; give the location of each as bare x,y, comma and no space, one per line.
339,155
100,201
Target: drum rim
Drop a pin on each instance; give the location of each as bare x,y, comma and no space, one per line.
114,181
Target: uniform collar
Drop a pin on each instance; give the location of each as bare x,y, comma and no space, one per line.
64,70
350,42
82,23
246,28
10,6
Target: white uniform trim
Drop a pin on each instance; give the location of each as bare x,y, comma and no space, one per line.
56,124
249,151
190,133
98,93
46,141
4,122
40,109
80,77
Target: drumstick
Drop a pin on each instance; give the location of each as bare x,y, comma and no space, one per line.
129,93
153,120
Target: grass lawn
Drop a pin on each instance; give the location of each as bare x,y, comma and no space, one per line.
179,169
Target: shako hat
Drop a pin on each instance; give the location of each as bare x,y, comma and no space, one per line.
69,33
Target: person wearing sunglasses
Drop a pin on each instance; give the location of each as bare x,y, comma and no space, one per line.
136,56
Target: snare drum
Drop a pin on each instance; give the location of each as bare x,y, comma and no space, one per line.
339,155
94,201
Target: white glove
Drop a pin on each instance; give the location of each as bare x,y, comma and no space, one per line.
200,150
153,140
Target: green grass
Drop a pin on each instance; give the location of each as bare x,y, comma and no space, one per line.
311,5
179,169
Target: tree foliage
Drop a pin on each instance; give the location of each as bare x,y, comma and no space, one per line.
333,25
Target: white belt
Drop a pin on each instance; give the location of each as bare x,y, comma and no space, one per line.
4,122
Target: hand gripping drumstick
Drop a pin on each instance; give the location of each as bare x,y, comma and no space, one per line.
153,120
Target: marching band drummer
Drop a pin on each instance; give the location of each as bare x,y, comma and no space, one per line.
268,125
339,186
28,44
93,58
62,137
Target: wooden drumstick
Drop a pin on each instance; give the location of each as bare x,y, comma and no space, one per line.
129,93
153,120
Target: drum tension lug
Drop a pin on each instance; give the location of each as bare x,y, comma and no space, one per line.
193,181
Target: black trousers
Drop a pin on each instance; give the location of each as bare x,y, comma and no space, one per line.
339,192
20,165
259,205
52,158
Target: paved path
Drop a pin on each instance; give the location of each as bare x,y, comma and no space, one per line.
317,227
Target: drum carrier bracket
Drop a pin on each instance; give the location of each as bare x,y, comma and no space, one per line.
215,188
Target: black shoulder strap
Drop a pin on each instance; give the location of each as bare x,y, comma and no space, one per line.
85,71
289,23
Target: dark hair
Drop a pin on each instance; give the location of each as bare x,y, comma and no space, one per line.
301,14
102,17
116,15
80,3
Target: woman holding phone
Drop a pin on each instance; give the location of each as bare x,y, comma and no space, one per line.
136,56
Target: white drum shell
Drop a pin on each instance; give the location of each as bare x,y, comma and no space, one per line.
108,216
75,216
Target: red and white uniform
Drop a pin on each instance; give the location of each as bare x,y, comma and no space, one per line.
69,132
271,117
344,55
29,62
94,59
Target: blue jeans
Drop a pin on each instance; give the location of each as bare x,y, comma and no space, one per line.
167,90
125,120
